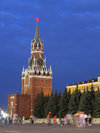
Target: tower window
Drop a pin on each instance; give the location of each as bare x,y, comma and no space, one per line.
39,73
39,45
35,45
35,73
48,74
44,73
11,103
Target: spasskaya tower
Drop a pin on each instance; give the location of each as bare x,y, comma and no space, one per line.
36,77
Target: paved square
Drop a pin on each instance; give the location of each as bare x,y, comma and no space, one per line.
44,128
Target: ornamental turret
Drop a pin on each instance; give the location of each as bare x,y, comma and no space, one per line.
36,76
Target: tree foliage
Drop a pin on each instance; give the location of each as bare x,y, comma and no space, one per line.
74,101
63,104
39,105
87,101
96,112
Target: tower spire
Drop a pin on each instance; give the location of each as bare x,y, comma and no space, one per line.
37,33
23,68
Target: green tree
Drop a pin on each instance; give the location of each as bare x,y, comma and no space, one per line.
87,101
50,105
39,106
83,102
96,112
92,93
74,101
55,104
45,105
42,104
59,95
63,105
91,99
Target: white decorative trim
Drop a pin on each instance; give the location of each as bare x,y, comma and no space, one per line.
41,76
37,52
23,78
11,107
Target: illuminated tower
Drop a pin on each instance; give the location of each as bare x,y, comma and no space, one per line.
36,77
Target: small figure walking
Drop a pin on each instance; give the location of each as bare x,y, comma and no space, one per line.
48,118
54,119
23,119
89,118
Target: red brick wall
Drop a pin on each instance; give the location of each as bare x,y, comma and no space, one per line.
21,105
24,106
37,55
36,85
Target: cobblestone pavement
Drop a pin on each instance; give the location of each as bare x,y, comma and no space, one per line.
44,128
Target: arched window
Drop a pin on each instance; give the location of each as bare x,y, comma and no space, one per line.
48,74
44,73
35,73
39,45
35,45
39,73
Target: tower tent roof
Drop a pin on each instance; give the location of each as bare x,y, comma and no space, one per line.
37,33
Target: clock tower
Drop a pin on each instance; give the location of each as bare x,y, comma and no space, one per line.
36,77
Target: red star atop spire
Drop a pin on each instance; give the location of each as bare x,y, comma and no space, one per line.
37,19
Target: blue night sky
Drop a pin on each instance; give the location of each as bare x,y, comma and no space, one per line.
70,30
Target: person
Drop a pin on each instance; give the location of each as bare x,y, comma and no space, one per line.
48,118
65,120
58,121
32,120
89,118
18,120
85,117
61,122
9,120
82,120
23,119
69,118
76,119
5,120
54,120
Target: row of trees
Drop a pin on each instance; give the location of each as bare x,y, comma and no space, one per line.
61,104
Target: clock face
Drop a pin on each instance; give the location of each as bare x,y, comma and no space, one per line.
40,62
